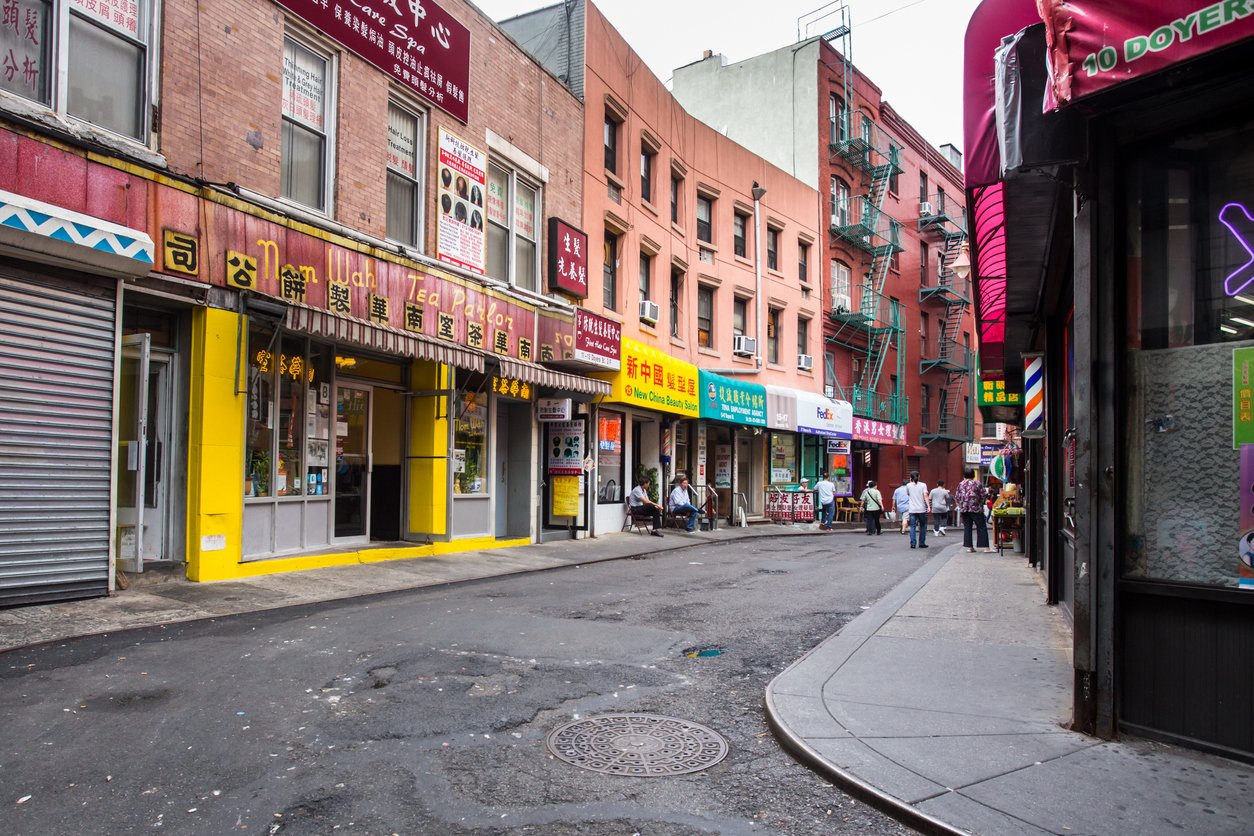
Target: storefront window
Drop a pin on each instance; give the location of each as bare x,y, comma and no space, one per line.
258,461
783,458
610,486
1189,362
293,377
470,442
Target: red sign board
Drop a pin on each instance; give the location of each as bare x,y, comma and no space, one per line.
414,41
880,432
1094,44
568,259
598,340
555,335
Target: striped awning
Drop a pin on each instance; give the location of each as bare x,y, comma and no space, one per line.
380,338
538,375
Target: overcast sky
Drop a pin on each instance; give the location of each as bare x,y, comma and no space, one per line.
912,49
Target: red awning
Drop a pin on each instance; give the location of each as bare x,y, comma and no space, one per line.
380,338
538,375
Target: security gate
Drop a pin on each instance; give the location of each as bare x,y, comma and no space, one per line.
57,339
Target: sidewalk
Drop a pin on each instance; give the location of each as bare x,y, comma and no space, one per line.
946,704
166,600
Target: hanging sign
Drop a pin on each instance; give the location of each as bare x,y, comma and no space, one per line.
553,409
568,259
1242,397
566,447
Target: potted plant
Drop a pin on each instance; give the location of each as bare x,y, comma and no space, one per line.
259,467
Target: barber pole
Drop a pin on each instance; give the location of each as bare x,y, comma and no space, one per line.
1033,396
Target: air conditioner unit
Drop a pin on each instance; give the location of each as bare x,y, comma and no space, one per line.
744,346
838,220
650,312
925,210
805,362
841,303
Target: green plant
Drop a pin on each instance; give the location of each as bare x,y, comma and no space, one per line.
650,473
260,469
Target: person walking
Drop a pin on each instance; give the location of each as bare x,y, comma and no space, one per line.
872,508
681,503
919,506
825,491
970,497
901,502
940,508
639,500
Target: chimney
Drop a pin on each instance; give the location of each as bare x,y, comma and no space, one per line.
707,55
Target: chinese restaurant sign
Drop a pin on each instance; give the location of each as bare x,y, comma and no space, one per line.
460,189
568,259
1094,44
598,340
653,379
994,392
415,41
734,401
880,432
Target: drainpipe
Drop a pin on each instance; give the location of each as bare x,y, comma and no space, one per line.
758,193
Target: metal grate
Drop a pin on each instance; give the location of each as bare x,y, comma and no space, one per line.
638,745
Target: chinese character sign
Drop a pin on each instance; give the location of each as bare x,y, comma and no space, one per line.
879,432
995,392
653,379
460,187
598,340
415,41
24,48
568,259
734,401
1242,397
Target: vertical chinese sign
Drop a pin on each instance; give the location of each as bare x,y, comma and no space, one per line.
24,49
1242,397
568,259
460,188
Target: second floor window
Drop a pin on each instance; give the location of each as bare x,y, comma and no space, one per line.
740,313
772,249
839,202
842,293
513,205
404,188
740,224
772,335
609,272
705,211
306,125
705,316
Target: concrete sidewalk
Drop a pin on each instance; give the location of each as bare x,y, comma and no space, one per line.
166,599
946,704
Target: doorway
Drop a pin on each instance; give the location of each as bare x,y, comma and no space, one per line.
353,409
748,473
145,447
514,496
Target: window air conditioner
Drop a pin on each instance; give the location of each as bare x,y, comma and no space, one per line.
650,312
925,210
744,346
805,362
841,303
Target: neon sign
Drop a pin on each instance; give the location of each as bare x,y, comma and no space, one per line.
1235,215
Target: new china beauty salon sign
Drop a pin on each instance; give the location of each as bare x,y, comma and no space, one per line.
415,41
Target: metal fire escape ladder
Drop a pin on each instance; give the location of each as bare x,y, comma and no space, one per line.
954,419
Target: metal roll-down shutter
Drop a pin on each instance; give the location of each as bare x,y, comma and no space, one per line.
56,438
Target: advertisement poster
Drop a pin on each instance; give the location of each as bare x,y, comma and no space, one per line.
461,184
722,466
566,448
565,496
1245,569
840,462
701,454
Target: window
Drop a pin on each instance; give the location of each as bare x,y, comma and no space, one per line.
647,155
925,406
894,153
923,346
837,130
404,197
611,143
772,335
705,211
894,237
306,122
740,313
611,487
829,374
98,73
940,201
513,205
803,335
470,436
705,315
677,292
923,193
839,202
646,277
677,190
609,278
772,249
740,224
923,264
867,130
842,300
803,262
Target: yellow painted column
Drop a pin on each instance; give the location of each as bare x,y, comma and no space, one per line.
429,451
215,429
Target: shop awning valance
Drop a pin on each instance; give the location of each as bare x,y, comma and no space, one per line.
60,233
538,375
380,338
802,411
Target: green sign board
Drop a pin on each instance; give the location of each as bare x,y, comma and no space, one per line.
994,392
1242,397
731,400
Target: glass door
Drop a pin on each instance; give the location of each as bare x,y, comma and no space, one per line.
131,459
352,461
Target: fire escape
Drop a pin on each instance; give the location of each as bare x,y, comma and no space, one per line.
953,419
867,323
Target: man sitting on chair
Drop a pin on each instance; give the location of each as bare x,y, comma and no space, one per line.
681,503
639,501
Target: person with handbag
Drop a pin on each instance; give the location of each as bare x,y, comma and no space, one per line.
872,508
971,499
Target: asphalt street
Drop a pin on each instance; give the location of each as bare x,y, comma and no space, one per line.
426,711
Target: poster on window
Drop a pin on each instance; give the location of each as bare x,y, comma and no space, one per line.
23,49
122,15
566,448
304,74
402,142
722,466
460,187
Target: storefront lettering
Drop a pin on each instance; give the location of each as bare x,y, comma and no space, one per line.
1178,31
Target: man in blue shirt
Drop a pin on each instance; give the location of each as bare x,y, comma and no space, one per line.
681,503
901,501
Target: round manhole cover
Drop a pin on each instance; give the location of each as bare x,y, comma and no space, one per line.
640,745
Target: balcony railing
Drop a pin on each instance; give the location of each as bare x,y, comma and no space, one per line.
893,407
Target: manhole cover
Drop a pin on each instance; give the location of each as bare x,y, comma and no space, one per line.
641,745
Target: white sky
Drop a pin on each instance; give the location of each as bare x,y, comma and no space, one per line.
912,49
